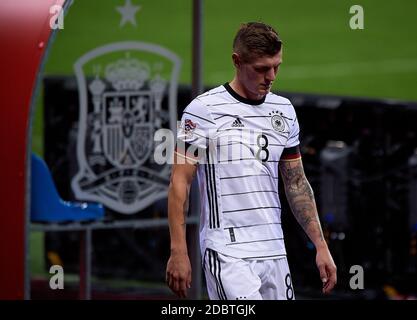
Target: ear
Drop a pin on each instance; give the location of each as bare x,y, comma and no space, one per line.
236,60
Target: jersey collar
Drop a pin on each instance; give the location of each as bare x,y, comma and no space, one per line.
238,97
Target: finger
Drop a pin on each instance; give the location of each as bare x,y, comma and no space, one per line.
175,285
171,285
333,277
183,288
323,274
328,287
332,281
169,281
189,280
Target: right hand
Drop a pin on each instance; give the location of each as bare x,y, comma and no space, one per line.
178,274
327,269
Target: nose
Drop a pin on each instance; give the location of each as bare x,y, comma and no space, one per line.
270,75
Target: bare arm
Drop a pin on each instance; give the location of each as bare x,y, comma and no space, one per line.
178,273
301,200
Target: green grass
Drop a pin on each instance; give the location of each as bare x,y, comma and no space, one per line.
317,38
321,53
316,34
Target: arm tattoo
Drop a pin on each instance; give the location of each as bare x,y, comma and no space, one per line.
301,198
296,181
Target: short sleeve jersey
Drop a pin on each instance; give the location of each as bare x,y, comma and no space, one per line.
240,143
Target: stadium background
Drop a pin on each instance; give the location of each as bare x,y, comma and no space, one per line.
322,54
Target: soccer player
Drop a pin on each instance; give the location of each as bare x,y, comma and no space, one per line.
236,138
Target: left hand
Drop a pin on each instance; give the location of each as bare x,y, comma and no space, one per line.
327,269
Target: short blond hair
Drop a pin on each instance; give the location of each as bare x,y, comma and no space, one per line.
256,39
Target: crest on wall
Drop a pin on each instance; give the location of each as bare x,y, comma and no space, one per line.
130,95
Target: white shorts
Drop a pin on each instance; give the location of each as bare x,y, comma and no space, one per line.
229,278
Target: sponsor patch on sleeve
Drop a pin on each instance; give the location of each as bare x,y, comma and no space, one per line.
188,126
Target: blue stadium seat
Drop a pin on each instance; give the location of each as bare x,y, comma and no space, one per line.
46,204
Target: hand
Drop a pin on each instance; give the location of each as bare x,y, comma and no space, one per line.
178,274
327,269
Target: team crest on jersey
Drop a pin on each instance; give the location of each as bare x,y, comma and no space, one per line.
189,126
277,122
121,107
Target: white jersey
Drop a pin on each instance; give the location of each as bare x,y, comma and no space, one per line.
242,142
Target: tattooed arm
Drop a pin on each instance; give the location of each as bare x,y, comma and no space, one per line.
301,200
178,271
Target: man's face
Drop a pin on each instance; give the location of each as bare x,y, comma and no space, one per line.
257,76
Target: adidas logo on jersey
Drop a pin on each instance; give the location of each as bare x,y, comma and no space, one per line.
237,123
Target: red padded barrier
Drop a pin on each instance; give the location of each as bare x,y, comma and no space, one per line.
24,34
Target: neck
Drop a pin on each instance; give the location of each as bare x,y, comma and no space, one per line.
241,96
237,86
